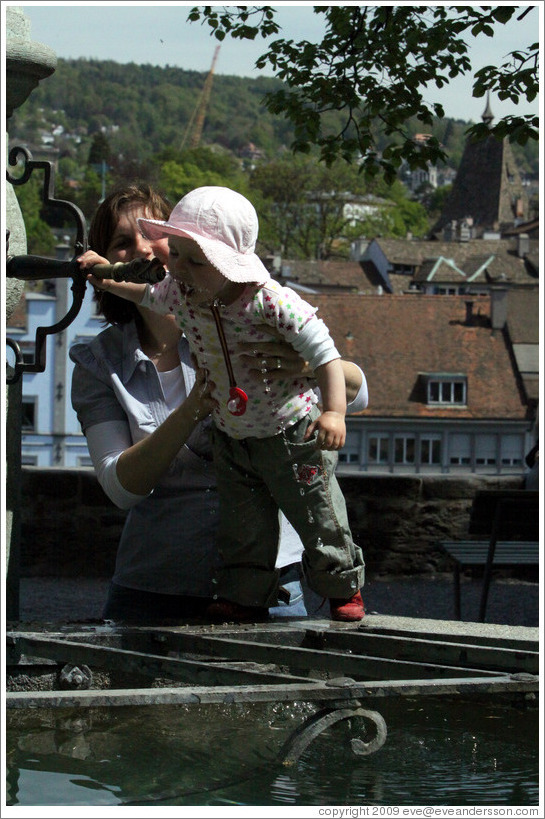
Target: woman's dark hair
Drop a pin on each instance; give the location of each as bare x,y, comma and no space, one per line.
103,224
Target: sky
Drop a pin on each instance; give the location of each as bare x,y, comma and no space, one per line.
159,34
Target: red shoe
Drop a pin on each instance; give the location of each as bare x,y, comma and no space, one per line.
351,609
226,611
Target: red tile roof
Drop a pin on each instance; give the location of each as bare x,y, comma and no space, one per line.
395,338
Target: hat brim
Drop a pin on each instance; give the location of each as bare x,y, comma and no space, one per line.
235,266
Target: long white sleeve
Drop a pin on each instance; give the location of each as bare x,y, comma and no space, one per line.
106,442
314,343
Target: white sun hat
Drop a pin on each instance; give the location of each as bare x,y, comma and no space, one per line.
225,226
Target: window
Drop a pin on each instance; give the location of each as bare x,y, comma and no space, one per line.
404,268
512,450
348,458
445,290
430,450
485,450
84,460
378,449
460,449
28,414
350,453
447,391
404,449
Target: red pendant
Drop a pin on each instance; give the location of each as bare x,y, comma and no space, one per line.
237,401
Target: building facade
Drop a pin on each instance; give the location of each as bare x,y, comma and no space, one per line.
51,435
446,393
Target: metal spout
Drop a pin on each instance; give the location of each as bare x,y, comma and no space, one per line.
35,268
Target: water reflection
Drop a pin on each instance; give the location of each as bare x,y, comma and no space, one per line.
436,754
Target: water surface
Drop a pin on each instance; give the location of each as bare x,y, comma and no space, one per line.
438,752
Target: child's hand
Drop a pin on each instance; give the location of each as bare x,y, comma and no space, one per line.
127,290
331,428
87,261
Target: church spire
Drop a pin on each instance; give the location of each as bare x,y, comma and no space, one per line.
487,116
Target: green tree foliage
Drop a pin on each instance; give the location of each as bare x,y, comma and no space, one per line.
40,237
434,201
310,210
145,110
99,151
374,64
181,171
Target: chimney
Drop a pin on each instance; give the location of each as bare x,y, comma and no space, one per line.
449,231
498,307
469,313
523,245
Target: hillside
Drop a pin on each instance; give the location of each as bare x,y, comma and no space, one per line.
144,109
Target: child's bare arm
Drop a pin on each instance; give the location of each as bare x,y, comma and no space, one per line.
126,290
331,424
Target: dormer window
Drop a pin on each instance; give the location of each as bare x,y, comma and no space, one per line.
445,388
403,268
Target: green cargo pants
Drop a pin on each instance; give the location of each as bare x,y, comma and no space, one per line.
256,476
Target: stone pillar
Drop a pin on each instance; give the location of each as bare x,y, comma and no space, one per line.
27,63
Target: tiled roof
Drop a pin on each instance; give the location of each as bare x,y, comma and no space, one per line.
496,259
322,273
523,316
394,338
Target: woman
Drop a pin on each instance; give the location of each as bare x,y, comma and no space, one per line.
141,406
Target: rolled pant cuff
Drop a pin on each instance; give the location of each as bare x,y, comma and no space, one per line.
336,585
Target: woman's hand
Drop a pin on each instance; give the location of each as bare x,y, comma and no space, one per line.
143,465
199,402
275,359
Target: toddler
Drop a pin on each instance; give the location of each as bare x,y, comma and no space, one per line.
273,447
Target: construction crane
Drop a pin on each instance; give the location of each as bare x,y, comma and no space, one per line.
193,132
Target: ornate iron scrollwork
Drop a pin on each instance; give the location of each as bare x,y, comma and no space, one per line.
302,737
72,270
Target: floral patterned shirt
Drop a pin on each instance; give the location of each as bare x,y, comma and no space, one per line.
263,312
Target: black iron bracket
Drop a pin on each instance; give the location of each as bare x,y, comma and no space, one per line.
16,154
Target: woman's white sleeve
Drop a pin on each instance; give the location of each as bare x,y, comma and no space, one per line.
362,398
106,442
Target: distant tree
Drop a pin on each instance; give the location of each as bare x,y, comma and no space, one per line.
207,159
309,210
434,201
374,63
87,194
180,171
99,151
40,237
177,179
